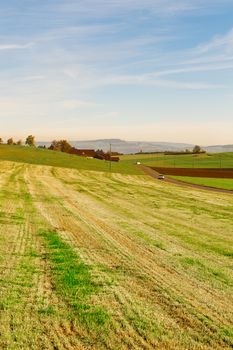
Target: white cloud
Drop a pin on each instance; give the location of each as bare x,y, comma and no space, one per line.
92,80
218,43
203,68
150,80
34,77
76,104
80,32
15,46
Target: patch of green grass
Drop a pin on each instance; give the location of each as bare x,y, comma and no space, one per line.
218,246
146,328
151,241
72,279
47,310
226,184
32,253
205,272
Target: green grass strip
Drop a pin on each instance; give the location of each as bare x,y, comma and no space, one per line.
73,281
226,184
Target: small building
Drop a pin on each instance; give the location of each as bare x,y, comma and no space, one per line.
111,158
114,159
89,153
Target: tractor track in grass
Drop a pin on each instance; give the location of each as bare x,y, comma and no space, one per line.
154,174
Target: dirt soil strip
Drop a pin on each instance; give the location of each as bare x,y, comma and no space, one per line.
222,173
153,173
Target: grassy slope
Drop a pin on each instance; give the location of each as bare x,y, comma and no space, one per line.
125,166
225,160
59,159
218,183
131,264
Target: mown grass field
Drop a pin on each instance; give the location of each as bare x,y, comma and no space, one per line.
92,260
214,160
226,184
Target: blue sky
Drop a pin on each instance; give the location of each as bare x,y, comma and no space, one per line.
159,70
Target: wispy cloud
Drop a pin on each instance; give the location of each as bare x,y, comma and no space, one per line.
192,68
77,60
219,42
81,32
103,8
33,78
76,104
15,46
150,80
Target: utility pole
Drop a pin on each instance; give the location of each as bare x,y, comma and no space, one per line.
110,156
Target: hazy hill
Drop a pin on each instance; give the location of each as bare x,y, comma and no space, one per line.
123,146
128,146
219,148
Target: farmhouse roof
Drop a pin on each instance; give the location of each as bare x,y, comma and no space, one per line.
83,152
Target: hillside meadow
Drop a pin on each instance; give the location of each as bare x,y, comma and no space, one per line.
93,260
206,160
33,155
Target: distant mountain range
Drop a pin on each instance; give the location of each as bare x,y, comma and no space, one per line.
219,148
122,146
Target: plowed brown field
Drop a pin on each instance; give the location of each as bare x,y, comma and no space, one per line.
196,172
156,259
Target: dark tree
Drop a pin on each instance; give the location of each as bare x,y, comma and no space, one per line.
10,141
65,146
30,141
60,145
196,149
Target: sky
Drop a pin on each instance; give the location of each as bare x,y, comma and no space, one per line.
151,70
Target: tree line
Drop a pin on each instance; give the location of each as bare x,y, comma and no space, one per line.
56,145
196,150
64,146
30,141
